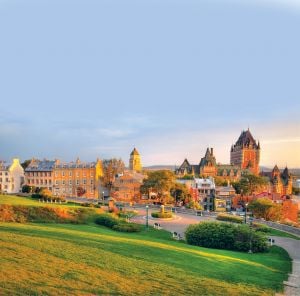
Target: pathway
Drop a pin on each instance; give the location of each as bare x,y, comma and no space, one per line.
292,246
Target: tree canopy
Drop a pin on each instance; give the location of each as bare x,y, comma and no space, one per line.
250,183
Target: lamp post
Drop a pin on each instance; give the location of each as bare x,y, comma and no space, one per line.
102,196
246,205
250,242
147,211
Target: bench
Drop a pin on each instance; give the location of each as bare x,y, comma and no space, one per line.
157,226
176,235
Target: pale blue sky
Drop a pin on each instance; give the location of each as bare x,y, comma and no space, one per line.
94,78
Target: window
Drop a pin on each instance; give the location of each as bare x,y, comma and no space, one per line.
84,181
70,182
56,182
77,174
63,173
63,182
92,182
55,174
77,182
70,173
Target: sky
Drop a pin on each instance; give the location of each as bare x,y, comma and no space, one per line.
96,78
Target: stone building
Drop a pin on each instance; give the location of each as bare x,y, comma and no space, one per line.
11,177
135,163
281,182
206,191
126,187
39,173
223,198
77,179
66,179
245,153
208,167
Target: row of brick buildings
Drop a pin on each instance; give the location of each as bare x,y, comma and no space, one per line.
72,179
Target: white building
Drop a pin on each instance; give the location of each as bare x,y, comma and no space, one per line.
206,192
11,177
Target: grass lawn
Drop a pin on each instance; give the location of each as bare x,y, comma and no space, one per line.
28,201
68,259
64,259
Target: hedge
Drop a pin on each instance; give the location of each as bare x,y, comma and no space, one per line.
225,236
117,224
162,215
230,218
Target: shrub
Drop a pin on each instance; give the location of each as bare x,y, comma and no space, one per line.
229,218
117,224
127,227
261,227
161,215
225,236
88,204
127,214
107,220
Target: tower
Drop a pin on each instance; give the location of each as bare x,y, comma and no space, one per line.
246,153
135,163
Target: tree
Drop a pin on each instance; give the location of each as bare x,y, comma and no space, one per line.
25,163
266,209
160,182
250,183
45,193
80,191
111,168
180,192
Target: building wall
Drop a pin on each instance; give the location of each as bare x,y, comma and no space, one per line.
12,177
68,181
41,179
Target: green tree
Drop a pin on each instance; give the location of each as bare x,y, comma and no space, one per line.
160,182
250,183
179,192
25,163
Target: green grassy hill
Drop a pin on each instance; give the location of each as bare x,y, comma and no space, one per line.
66,259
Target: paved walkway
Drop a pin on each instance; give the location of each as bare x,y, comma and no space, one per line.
292,246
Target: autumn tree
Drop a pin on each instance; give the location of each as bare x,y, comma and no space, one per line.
266,209
45,193
80,191
111,168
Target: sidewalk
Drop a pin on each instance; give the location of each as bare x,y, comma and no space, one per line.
292,246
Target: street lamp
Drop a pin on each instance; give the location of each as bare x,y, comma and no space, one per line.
246,205
250,242
103,196
147,211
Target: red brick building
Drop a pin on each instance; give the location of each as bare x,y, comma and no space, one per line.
246,153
